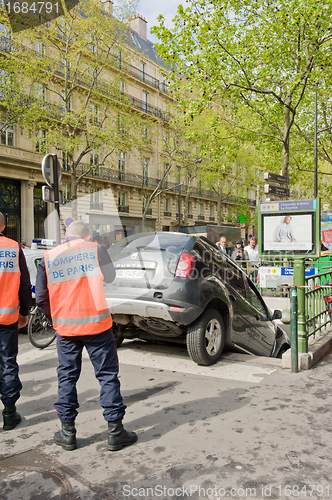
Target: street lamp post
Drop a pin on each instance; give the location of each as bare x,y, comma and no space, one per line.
315,161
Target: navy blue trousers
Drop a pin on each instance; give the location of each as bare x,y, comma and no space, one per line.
10,384
103,356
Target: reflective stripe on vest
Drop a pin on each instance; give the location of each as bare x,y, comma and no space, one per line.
10,278
8,310
81,321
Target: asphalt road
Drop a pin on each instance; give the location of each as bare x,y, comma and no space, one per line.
243,428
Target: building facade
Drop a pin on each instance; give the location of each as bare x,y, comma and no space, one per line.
111,197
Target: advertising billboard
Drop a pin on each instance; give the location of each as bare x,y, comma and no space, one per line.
289,228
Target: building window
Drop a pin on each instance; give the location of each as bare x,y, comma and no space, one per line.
189,208
200,209
167,204
145,132
122,86
95,199
95,195
144,101
121,124
65,162
122,198
41,144
7,134
145,165
94,163
211,210
122,166
40,48
66,189
40,91
94,110
142,71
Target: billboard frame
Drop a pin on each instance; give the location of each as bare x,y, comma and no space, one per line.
305,211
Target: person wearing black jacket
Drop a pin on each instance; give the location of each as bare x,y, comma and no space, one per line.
15,300
223,246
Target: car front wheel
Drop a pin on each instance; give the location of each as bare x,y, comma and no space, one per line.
206,338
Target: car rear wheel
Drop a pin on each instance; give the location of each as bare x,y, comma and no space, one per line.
206,338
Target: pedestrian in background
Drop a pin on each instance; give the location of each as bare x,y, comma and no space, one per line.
251,254
238,252
223,246
15,300
69,291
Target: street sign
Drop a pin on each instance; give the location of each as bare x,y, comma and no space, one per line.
276,178
47,170
69,221
276,190
48,195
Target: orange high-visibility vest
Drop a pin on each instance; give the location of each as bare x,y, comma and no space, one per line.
75,284
10,279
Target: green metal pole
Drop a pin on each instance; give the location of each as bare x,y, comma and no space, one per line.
299,275
293,329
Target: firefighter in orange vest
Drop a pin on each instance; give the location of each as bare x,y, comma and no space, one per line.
15,300
69,291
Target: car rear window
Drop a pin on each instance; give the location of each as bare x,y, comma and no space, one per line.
149,242
149,257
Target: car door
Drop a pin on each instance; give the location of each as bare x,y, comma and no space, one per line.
242,311
262,330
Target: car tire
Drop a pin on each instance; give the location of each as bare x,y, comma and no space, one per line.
206,338
117,332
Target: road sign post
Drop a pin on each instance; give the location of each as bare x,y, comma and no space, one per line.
51,170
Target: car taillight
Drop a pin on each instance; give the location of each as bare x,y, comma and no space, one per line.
185,266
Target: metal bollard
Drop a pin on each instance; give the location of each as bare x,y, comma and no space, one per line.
293,329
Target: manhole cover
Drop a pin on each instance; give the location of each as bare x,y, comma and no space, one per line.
19,483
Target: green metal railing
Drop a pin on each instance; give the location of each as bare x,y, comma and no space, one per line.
316,287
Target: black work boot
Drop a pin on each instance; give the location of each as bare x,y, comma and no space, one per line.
118,437
67,436
10,417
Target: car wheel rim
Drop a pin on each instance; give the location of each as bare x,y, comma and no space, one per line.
213,335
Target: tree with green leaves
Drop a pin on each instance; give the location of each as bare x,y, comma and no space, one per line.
255,55
68,81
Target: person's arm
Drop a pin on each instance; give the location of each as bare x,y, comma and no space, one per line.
106,265
24,293
41,291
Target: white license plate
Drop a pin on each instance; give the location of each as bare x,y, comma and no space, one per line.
130,273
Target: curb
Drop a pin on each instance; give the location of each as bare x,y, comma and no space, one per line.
317,349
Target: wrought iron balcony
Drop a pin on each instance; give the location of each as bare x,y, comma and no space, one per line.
201,217
167,214
123,209
96,206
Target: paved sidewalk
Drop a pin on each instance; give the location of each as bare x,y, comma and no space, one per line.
201,435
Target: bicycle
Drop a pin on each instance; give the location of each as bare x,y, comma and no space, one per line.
40,333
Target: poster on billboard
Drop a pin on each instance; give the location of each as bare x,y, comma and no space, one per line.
290,233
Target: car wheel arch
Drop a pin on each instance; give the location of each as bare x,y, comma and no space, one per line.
223,309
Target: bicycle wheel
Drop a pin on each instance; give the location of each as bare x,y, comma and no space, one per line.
41,334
